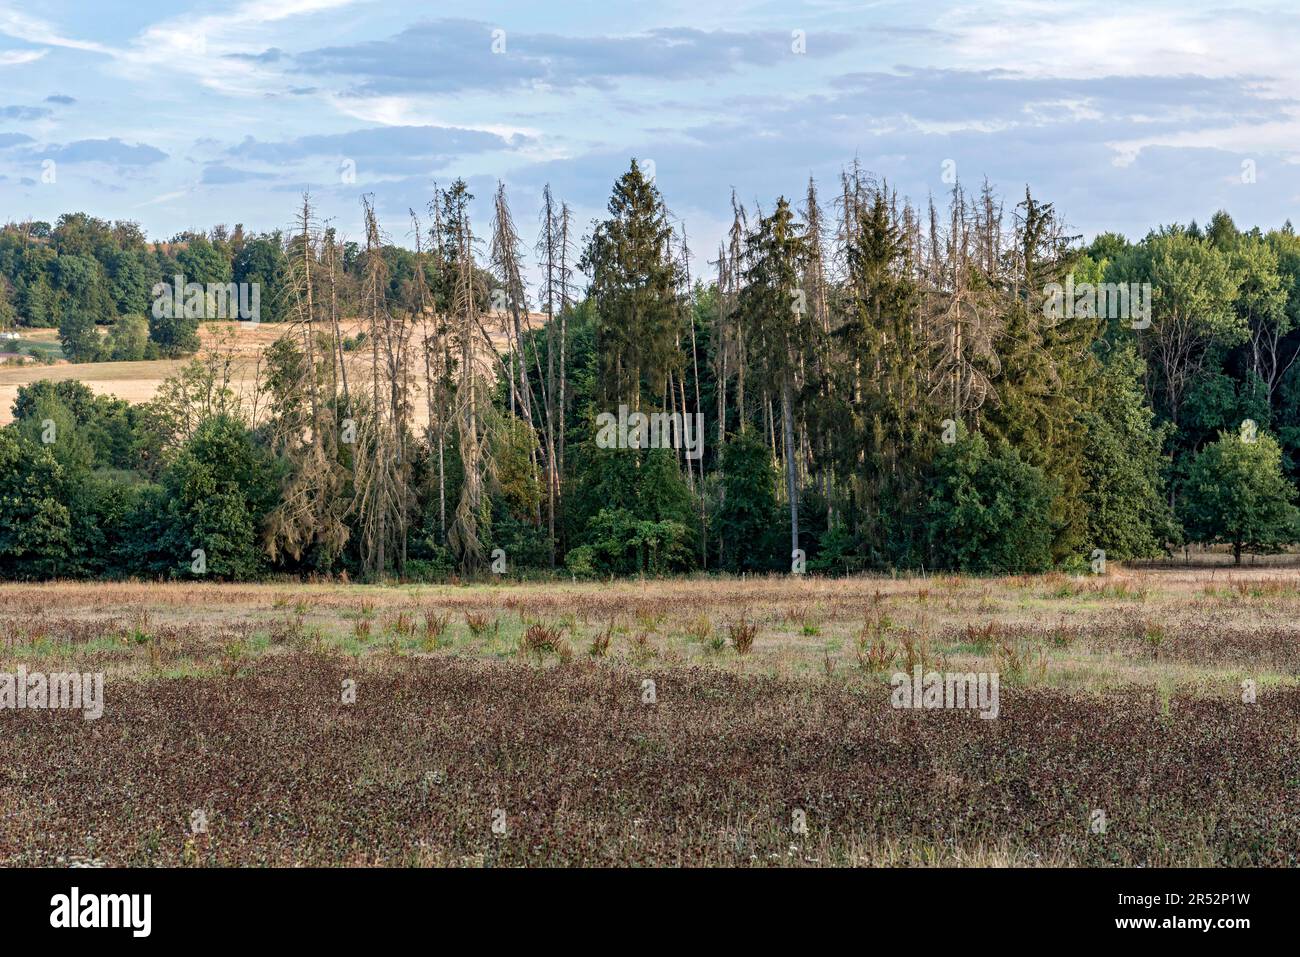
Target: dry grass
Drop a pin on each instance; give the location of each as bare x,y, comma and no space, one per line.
1117,694
1200,630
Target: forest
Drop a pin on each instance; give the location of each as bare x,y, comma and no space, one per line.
880,386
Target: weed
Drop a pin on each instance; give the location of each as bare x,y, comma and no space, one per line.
742,634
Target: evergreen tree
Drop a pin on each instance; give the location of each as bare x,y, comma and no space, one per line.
774,316
1124,486
634,290
747,516
887,442
262,261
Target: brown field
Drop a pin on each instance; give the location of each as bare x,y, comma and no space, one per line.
1120,694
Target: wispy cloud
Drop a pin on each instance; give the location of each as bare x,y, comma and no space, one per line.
452,54
24,112
1123,116
34,30
19,57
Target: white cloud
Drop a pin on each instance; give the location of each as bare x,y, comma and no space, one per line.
164,198
23,27
18,57
209,39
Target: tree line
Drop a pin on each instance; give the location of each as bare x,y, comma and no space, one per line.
880,387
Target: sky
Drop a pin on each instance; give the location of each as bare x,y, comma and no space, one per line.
181,115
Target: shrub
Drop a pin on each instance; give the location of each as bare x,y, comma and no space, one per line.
434,626
600,642
989,511
742,634
874,653
540,640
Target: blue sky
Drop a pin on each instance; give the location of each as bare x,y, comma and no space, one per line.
185,114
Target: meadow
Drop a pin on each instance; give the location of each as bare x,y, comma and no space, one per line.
687,721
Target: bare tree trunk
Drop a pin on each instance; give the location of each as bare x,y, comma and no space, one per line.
463,535
791,480
549,264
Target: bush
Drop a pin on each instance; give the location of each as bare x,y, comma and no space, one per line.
424,570
219,489
988,511
623,544
581,561
128,340
742,634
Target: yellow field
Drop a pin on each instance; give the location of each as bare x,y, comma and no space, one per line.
138,382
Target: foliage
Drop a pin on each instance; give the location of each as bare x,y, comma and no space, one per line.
1235,493
885,381
1124,485
988,511
747,521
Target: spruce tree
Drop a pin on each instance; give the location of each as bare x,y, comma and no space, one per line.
634,289
775,320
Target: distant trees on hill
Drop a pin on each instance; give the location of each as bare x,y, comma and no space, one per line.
86,276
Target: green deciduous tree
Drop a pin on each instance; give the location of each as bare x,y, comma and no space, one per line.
128,339
36,527
1236,494
219,489
1193,291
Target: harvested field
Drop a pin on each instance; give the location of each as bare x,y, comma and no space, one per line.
138,382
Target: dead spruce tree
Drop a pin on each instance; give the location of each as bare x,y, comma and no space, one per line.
436,359
471,400
300,379
727,345
382,497
510,298
554,250
507,265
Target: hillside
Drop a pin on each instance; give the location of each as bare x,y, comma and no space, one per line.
139,381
